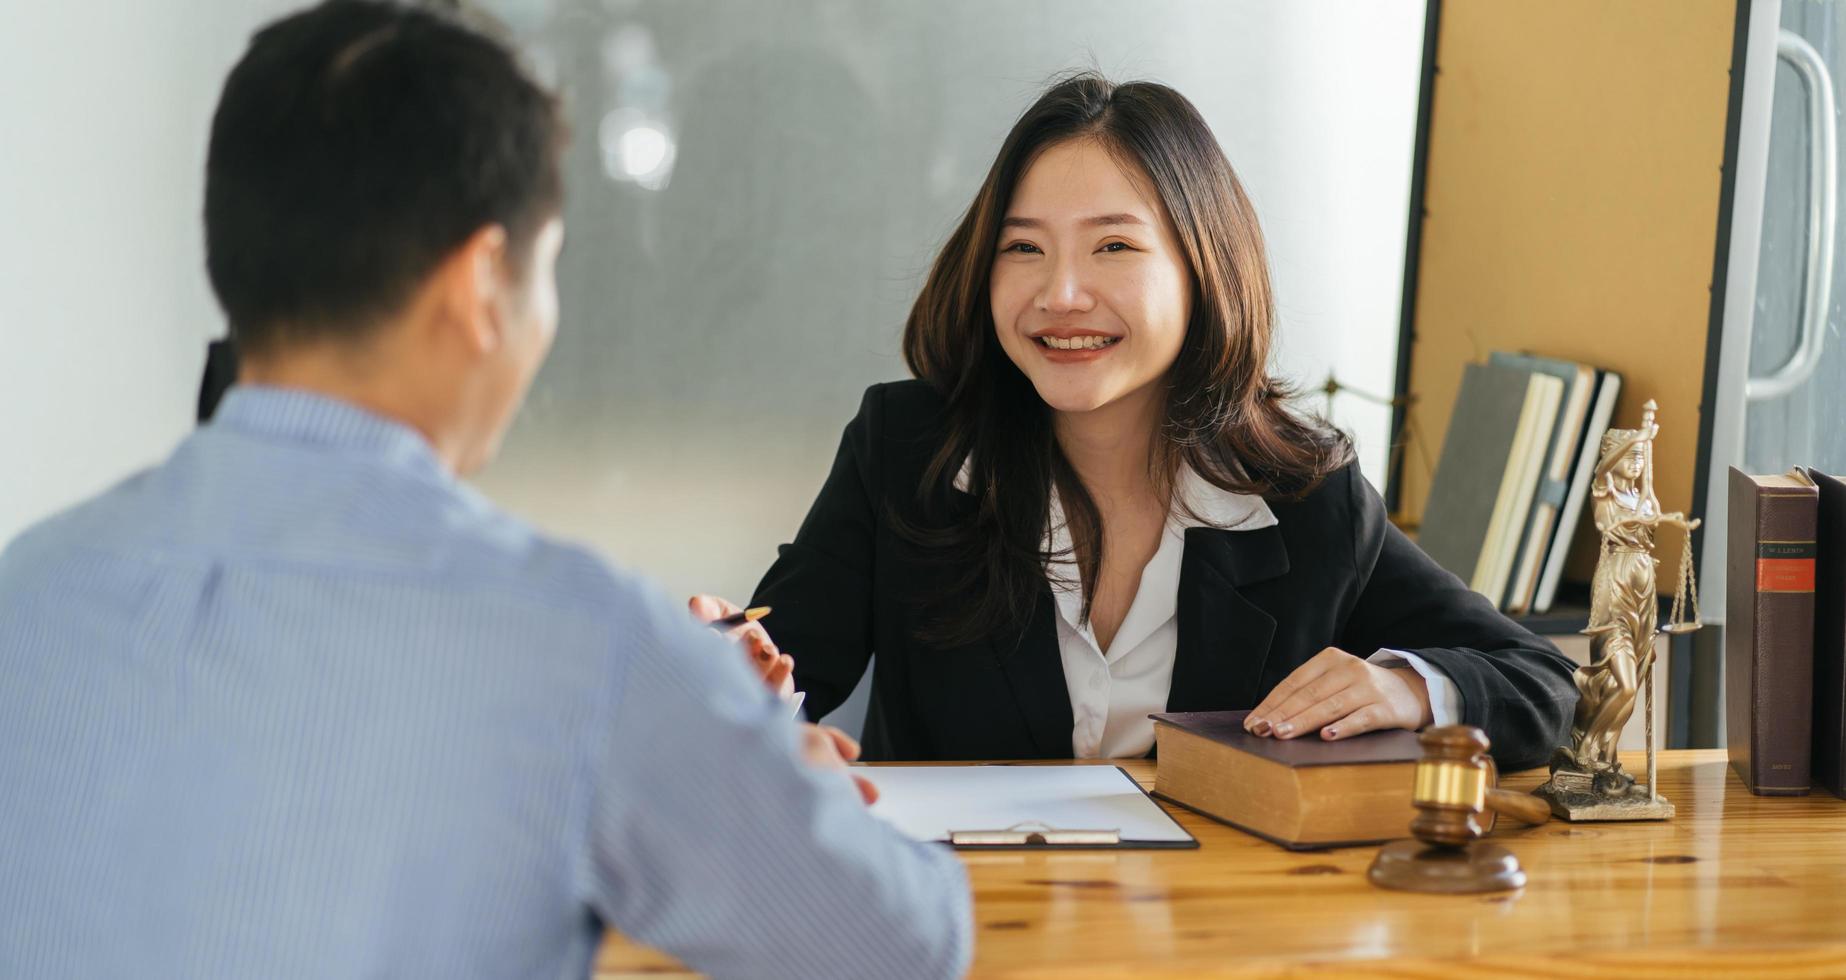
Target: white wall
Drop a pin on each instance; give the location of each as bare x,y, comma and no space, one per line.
104,304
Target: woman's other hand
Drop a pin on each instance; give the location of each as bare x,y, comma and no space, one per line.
777,669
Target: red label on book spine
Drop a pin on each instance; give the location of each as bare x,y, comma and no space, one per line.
1785,575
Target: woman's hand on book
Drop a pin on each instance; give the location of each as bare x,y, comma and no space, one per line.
1339,696
777,669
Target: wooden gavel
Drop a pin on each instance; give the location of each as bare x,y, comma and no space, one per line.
1457,804
1455,789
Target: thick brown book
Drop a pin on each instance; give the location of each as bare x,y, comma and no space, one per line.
1769,631
1303,793
1830,634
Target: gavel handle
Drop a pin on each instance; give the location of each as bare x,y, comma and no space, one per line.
1522,807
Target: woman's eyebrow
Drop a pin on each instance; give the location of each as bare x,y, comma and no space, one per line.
1122,218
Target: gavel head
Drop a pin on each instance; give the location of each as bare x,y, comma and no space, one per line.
1451,786
1456,802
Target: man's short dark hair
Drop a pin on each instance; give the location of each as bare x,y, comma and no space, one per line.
355,146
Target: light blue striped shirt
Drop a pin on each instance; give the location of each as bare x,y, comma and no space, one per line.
297,703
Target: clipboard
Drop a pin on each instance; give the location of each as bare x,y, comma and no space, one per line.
1024,807
1035,833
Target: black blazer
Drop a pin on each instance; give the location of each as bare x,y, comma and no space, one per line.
1253,606
220,375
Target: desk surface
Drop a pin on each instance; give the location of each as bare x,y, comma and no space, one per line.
1735,884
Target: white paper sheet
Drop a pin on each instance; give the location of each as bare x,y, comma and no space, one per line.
927,802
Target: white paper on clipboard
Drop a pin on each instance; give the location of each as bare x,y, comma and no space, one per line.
927,802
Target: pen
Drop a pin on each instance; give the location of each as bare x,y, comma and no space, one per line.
738,619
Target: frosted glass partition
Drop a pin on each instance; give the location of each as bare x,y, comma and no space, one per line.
1801,426
756,190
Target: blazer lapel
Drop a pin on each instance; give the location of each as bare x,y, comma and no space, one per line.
1035,671
1223,638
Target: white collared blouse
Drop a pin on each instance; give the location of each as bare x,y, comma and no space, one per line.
1113,691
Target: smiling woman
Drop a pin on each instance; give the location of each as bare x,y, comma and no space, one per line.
1095,503
1101,204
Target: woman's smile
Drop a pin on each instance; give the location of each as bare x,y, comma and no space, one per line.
1074,347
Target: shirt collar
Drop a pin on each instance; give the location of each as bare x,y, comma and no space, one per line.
1214,506
1205,505
1156,599
307,418
1197,503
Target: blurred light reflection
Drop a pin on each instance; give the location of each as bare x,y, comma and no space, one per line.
636,149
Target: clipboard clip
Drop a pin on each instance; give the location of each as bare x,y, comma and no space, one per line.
1033,833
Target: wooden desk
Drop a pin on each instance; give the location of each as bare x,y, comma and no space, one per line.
1736,885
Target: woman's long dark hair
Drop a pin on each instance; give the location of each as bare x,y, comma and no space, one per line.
1225,416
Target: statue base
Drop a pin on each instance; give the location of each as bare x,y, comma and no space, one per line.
1600,793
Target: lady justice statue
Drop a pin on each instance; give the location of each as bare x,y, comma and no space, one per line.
1587,780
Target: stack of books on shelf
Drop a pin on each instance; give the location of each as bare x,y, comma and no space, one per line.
1514,475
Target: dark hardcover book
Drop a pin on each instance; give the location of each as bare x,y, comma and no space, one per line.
1830,634
1483,429
1301,793
1769,631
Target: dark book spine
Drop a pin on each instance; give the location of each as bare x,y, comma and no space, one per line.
1830,636
1769,648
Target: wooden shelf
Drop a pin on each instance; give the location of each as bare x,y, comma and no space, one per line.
1570,614
1561,618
